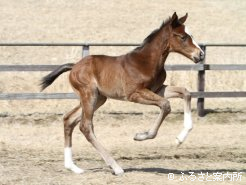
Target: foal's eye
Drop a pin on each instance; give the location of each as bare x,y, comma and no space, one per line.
184,37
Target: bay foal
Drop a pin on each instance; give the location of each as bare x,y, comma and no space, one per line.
137,76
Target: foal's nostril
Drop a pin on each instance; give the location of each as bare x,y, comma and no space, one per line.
202,55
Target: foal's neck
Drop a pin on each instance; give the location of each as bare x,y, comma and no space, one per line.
158,49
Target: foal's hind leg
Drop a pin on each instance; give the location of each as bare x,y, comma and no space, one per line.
70,120
89,99
180,92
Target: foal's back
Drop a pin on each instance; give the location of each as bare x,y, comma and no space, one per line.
105,73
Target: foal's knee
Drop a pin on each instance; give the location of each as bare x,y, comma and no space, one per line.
187,94
165,105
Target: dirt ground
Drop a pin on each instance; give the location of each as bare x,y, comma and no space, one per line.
32,149
31,132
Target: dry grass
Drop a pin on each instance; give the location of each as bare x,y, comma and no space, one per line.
116,21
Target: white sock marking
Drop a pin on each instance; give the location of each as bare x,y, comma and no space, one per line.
187,128
68,161
187,121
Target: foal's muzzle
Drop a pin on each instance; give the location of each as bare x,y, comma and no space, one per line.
200,57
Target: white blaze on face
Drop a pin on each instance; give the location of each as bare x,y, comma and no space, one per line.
193,41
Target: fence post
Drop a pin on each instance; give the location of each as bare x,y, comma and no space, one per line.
201,86
85,50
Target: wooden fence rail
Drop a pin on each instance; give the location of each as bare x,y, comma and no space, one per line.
200,68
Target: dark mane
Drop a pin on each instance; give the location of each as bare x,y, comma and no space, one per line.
152,35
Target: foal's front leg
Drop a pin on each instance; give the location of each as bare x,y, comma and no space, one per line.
147,97
180,92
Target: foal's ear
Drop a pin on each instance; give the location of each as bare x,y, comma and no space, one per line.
174,21
183,19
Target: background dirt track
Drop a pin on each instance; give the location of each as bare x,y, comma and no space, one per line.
32,153
31,132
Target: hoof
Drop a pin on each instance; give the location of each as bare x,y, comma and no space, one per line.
119,172
74,168
143,136
178,142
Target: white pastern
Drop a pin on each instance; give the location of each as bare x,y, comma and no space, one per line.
68,161
187,121
187,128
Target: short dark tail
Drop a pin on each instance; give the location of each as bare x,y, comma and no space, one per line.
50,78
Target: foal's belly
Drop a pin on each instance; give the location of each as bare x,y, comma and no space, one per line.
112,86
114,92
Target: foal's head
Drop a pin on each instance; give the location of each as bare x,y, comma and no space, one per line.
181,40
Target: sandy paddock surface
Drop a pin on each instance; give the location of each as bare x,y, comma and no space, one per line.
32,150
31,132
